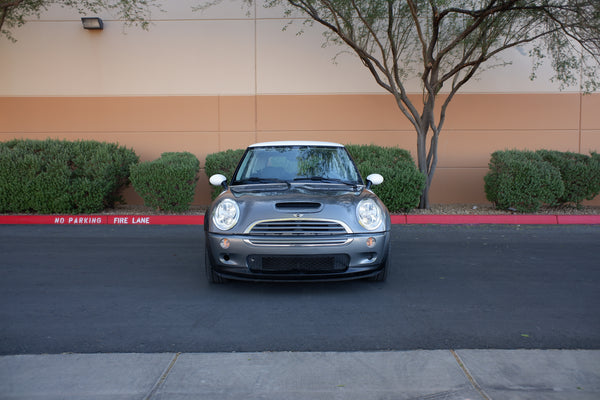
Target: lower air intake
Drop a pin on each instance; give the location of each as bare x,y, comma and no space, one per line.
299,264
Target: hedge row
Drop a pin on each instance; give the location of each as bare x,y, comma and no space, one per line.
402,183
54,176
168,183
526,180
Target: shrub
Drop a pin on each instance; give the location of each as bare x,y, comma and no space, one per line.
580,175
403,183
224,163
522,180
167,183
595,166
54,176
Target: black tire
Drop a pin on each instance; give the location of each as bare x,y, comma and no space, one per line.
382,275
211,275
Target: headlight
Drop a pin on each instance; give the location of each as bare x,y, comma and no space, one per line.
369,214
226,215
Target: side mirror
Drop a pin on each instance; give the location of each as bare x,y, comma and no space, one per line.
374,179
218,180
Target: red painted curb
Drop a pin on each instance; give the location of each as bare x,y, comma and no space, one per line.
54,219
155,219
102,219
578,219
396,219
482,219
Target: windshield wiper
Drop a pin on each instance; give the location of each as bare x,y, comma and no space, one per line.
255,179
324,180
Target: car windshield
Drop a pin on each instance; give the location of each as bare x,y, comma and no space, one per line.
272,164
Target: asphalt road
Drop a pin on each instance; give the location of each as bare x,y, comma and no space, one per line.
90,289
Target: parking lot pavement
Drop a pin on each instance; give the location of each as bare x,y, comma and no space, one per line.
435,374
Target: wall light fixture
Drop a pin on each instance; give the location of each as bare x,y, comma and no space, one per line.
92,23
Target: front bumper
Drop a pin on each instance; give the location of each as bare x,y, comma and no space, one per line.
258,258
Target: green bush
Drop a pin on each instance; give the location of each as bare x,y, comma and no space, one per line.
224,163
55,176
167,183
580,175
522,181
595,166
402,183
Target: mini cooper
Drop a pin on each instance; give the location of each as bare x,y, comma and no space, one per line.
296,211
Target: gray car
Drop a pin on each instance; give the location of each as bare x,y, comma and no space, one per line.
297,211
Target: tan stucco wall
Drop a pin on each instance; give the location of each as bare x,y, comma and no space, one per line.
227,50
477,125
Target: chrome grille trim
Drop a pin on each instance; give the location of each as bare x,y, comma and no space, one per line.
293,242
298,227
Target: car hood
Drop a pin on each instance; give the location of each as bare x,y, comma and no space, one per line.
294,201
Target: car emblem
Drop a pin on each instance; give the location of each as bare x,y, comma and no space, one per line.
298,215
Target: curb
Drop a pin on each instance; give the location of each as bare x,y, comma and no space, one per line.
102,219
399,219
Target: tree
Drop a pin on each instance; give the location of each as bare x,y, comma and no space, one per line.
445,43
13,13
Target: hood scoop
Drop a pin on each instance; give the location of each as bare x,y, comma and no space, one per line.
298,206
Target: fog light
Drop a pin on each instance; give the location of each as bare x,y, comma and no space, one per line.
371,242
225,243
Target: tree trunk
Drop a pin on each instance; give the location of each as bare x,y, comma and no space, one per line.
423,167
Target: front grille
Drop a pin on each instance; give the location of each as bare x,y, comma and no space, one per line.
298,227
299,263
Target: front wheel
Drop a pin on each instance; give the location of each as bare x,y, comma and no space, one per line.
382,275
211,275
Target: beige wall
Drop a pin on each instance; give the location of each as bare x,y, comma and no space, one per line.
223,51
477,125
204,82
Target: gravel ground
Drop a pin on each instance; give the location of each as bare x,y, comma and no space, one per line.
487,209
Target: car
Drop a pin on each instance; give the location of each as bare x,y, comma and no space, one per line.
296,211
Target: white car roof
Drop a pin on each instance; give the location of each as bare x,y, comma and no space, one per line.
297,143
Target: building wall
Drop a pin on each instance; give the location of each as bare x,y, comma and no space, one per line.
205,82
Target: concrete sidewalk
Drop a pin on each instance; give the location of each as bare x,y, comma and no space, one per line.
438,374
